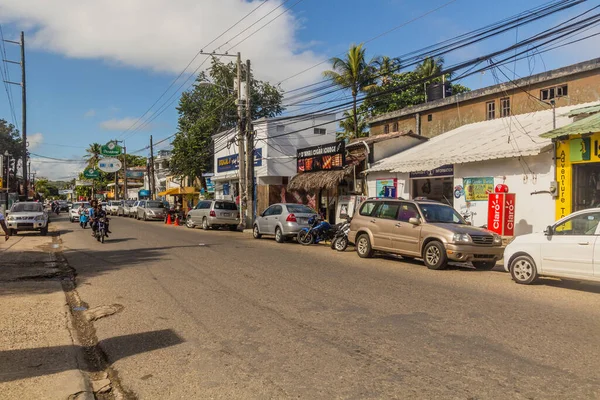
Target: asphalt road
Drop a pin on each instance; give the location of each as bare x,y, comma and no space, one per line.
218,314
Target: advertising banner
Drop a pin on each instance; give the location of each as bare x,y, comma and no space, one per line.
231,162
478,189
109,165
509,214
325,157
386,187
111,149
496,212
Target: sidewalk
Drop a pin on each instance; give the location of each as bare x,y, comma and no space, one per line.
38,359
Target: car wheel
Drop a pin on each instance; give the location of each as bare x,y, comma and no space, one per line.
12,232
205,224
279,238
44,231
341,243
189,223
484,265
363,246
435,256
523,270
256,232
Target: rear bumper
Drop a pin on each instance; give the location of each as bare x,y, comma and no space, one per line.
222,221
291,228
461,252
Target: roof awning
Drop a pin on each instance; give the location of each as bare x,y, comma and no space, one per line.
178,191
590,124
584,110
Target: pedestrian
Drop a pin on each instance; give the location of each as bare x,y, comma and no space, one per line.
4,227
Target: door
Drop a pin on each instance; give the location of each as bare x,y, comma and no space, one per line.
263,221
406,235
383,225
570,249
275,218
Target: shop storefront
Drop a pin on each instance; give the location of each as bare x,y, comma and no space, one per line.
437,184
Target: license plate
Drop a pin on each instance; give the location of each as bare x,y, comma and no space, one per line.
303,220
226,214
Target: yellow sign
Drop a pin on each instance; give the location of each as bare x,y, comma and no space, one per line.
478,189
564,175
1,184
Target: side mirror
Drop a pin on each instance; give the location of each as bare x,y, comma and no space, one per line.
414,221
548,231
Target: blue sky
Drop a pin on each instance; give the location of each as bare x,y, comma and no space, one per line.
95,67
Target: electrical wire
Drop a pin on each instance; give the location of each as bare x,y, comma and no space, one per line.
4,71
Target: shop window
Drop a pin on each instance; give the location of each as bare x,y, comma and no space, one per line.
505,107
490,107
395,127
429,117
386,128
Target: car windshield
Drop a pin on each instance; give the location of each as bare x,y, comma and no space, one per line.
441,213
27,207
224,205
299,209
129,203
155,204
75,206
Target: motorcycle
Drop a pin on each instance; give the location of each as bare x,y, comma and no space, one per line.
84,219
100,232
318,230
340,240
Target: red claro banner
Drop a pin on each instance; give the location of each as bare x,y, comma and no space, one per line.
501,213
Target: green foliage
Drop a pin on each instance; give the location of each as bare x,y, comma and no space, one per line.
93,155
347,124
209,108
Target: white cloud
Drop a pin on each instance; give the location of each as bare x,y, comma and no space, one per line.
163,35
123,124
35,140
90,113
56,170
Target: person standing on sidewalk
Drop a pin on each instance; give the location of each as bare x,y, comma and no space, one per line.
4,227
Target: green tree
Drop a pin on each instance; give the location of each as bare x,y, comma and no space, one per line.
10,140
430,67
354,73
386,66
209,108
347,124
93,154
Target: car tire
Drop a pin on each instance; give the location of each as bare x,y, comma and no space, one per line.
205,225
189,223
256,232
44,231
12,232
279,238
523,270
363,246
434,255
145,218
484,265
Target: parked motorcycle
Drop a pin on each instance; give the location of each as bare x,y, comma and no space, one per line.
100,232
340,239
318,230
84,218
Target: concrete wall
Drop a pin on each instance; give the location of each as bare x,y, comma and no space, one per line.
533,212
390,147
582,87
403,184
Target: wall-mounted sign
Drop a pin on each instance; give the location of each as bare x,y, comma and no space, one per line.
325,157
231,163
478,189
91,173
135,174
444,170
111,149
210,185
386,187
109,165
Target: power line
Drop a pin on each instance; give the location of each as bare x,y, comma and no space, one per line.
6,78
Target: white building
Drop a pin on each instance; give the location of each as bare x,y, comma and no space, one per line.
276,142
460,166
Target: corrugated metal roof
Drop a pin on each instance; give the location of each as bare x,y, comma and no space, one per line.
584,110
516,136
587,125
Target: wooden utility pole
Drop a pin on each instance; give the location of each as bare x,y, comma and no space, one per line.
241,153
151,182
249,152
125,196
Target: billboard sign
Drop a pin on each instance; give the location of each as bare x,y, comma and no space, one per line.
109,165
231,162
325,157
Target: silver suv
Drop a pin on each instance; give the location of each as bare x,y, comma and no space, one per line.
214,214
423,229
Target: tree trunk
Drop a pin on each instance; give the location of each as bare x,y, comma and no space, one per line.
355,115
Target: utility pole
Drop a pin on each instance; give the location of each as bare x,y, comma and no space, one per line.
249,153
241,153
125,195
151,177
23,85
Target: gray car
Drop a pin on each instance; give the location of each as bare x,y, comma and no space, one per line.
27,216
133,209
283,220
214,214
151,209
123,209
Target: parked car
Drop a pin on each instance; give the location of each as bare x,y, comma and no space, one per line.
214,214
283,220
123,209
27,216
74,210
423,229
151,209
133,209
568,249
63,205
113,206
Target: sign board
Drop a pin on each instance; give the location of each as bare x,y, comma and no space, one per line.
109,165
83,183
135,174
478,189
444,170
386,187
111,149
91,173
144,193
501,213
325,157
210,185
231,162
65,192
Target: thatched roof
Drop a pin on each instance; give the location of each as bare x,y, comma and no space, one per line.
313,181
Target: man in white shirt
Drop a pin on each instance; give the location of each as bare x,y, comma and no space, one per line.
4,227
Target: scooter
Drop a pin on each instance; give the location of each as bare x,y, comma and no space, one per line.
84,219
340,240
318,230
100,232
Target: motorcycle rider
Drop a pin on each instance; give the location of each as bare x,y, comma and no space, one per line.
97,214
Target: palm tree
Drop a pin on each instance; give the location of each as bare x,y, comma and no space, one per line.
430,67
93,154
354,73
347,124
386,66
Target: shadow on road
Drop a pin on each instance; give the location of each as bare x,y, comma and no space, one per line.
27,363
